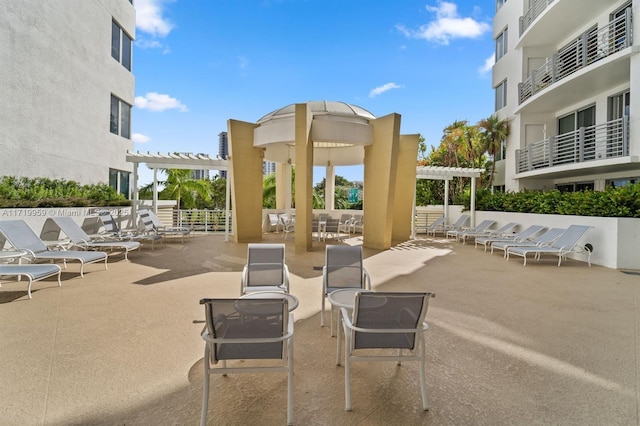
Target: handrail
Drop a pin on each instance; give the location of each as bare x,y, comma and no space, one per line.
536,9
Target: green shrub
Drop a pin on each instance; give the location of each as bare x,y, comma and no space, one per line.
26,192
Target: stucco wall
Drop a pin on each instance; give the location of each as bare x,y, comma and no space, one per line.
56,80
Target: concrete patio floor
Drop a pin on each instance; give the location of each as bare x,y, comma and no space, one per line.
508,345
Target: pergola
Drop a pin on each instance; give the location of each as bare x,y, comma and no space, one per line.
175,161
446,174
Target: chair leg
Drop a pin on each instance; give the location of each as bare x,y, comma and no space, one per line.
322,312
205,393
290,384
347,376
423,386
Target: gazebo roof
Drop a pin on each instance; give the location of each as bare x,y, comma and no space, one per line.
178,161
446,173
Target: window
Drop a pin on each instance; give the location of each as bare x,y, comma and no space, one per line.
502,153
501,95
500,3
119,180
575,187
501,44
617,183
120,122
120,45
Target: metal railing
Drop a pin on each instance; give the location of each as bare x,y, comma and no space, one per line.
588,48
201,220
602,141
537,7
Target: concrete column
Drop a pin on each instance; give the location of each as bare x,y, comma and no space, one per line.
281,190
287,188
304,177
246,181
380,173
405,187
330,188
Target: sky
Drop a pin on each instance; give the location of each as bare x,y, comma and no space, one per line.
199,63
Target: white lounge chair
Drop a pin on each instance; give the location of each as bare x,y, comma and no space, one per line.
20,236
80,239
435,226
114,232
384,321
544,239
32,273
519,237
479,229
500,232
153,226
458,225
563,245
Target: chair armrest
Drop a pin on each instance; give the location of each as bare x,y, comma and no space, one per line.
367,279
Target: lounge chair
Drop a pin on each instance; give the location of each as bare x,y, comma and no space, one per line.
502,231
542,240
114,232
457,226
80,239
384,321
234,333
519,237
436,225
563,245
32,273
20,236
265,269
479,229
153,225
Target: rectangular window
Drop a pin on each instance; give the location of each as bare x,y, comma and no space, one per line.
120,120
501,44
119,180
501,95
500,3
120,45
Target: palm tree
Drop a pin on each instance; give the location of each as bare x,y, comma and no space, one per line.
181,186
494,131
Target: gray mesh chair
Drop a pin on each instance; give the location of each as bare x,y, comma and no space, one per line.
343,268
241,330
265,269
384,321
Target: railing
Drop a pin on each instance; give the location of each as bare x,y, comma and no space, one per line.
598,142
537,7
588,48
201,220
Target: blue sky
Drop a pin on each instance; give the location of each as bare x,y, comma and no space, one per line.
198,63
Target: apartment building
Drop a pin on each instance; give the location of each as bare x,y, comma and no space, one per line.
68,88
567,77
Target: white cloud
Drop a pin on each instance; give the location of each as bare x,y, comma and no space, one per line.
144,43
384,88
150,19
158,102
447,25
140,138
488,64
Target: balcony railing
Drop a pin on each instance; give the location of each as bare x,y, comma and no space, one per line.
588,48
537,7
598,142
201,220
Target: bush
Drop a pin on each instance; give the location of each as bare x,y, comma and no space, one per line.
614,202
43,192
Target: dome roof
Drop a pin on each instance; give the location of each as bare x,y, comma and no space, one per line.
320,108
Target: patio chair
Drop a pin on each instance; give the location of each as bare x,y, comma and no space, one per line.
234,333
383,321
343,268
437,224
344,224
357,223
563,245
332,229
504,230
458,225
80,239
114,232
153,226
288,225
479,229
519,237
265,269
542,240
20,236
32,273
274,222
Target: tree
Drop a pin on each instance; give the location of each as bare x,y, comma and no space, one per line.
180,186
493,132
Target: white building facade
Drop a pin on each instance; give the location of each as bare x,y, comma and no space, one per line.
68,88
567,77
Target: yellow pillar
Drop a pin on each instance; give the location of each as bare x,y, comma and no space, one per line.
380,171
281,187
405,187
304,177
246,179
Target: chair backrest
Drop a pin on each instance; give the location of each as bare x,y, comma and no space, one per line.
147,221
505,228
332,225
273,219
387,310
570,237
529,232
157,223
108,222
230,319
357,219
549,236
20,236
343,268
70,228
265,264
324,216
345,217
484,225
438,223
462,220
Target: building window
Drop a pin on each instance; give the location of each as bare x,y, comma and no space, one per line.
501,44
501,95
575,187
617,183
500,3
120,45
120,122
119,180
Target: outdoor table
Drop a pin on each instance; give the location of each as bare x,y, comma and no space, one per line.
11,255
343,298
293,301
